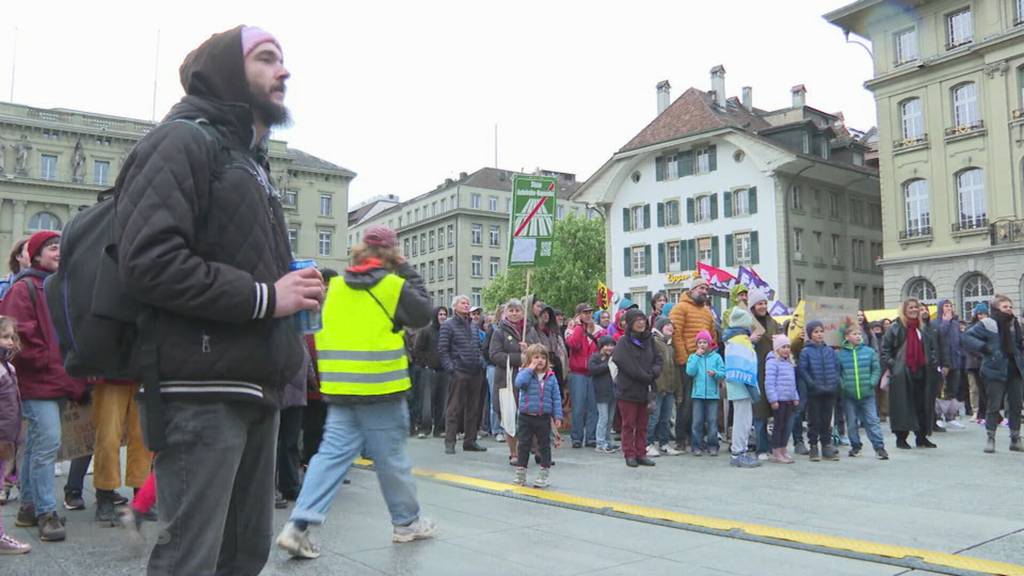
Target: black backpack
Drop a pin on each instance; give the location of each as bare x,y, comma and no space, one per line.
103,331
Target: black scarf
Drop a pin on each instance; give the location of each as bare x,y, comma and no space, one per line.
1006,323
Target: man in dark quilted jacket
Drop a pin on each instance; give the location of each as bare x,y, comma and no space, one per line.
201,238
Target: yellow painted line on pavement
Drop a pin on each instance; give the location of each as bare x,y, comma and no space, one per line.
808,538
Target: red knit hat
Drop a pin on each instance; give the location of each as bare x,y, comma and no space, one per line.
36,241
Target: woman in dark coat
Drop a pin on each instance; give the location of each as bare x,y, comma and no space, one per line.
638,365
506,353
910,354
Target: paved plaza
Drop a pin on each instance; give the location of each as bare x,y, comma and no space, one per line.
952,500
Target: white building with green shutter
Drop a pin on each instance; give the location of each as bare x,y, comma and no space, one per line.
715,180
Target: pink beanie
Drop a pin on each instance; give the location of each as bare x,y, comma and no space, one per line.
705,335
779,340
253,37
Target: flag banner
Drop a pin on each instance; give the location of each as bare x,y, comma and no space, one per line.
604,296
717,279
750,278
779,309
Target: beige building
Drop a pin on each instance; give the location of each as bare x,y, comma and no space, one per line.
456,235
53,163
949,86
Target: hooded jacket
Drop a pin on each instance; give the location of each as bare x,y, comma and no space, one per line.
201,238
779,380
551,337
10,404
688,318
601,375
425,345
983,338
697,366
638,362
734,301
581,345
669,381
949,338
538,397
859,368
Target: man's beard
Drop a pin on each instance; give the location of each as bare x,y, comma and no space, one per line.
698,298
271,113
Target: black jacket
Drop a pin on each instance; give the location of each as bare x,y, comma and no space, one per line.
459,346
602,378
638,368
201,237
425,348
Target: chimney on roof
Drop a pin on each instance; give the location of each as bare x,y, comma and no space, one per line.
799,95
748,98
664,95
718,84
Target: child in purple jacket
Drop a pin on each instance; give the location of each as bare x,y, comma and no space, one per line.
540,402
781,391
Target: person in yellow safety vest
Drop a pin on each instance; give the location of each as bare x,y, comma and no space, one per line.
364,379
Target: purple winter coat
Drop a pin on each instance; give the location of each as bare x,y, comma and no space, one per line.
779,380
10,404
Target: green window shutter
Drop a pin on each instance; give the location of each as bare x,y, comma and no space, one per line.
662,258
647,216
729,258
661,214
626,262
691,254
650,306
625,219
727,203
712,158
659,169
686,163
714,251
689,210
647,259
755,255
714,206
753,199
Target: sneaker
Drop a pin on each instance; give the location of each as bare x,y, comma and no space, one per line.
541,481
669,450
813,453
279,502
881,454
460,436
9,546
653,452
763,457
10,494
645,462
119,500
830,453
26,517
297,542
713,451
421,529
940,425
590,444
854,452
696,452
449,448
105,509
743,461
499,437
421,436
843,440
801,449
73,500
51,527
955,424
520,478
632,462
605,450
577,444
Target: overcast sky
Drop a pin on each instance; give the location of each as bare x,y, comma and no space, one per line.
407,94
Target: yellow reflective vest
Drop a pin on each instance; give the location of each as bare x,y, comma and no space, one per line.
358,353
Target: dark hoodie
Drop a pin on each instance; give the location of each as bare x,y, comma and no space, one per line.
201,237
426,342
638,361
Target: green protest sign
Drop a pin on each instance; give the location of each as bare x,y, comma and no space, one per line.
532,222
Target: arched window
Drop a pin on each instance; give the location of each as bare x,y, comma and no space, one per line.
912,119
965,105
921,289
976,289
918,212
970,192
43,221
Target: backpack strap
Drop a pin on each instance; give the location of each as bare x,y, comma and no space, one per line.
31,290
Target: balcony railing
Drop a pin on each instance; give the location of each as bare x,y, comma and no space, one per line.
964,129
912,233
968,224
910,141
1007,231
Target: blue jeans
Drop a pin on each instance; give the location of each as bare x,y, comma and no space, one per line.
605,415
380,429
866,412
705,413
41,444
584,408
658,421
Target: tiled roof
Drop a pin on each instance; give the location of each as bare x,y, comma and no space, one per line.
304,160
693,113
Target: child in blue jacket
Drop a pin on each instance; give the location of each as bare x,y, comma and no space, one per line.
819,372
706,369
540,401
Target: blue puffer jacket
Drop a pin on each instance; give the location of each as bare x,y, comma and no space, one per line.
538,398
779,380
819,369
983,338
860,370
705,387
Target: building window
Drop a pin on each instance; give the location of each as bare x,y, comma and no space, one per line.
856,211
100,172
921,289
432,270
1018,16
476,297
672,213
638,265
912,120
48,167
476,269
417,215
440,238
801,288
474,201
508,205
742,252
671,167
444,205
290,199
399,220
703,209
494,236
451,267
906,45
819,287
476,236
455,204
415,245
492,203
798,242
970,191
796,198
324,242
451,235
959,28
741,203
703,161
919,218
405,248
560,212
293,238
43,221
326,208
837,289
431,240
965,105
495,266
835,248
423,241
704,252
976,289
636,217
833,206
674,256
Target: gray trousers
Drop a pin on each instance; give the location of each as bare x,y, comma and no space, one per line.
215,488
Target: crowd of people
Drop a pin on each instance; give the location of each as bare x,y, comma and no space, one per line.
248,414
